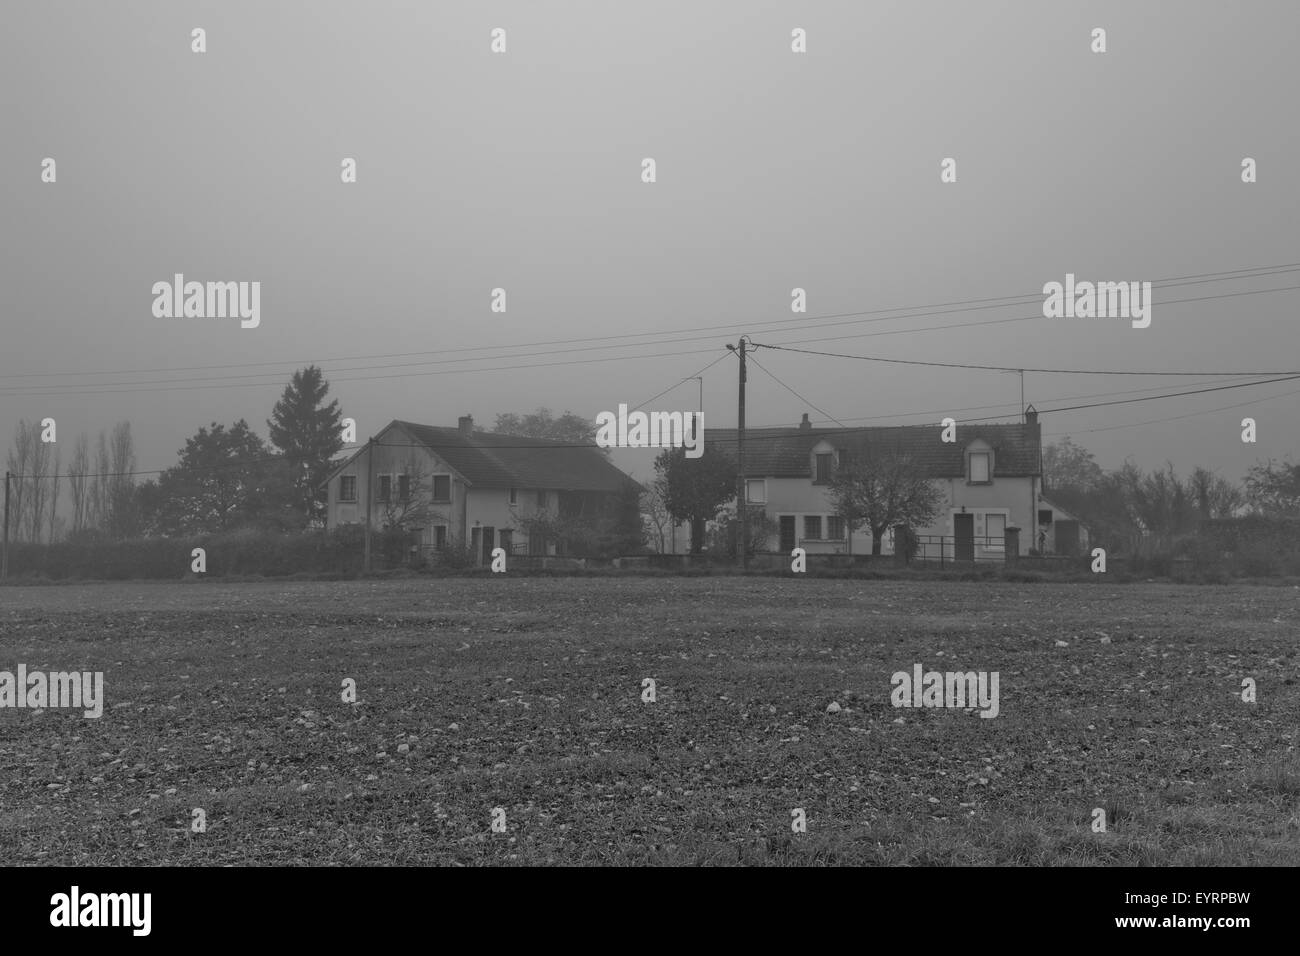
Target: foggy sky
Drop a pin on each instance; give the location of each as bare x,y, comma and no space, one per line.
522,171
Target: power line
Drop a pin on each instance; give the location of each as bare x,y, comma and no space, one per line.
353,452
1006,368
810,322
999,405
112,387
683,381
1027,318
362,378
797,395
752,437
1174,418
1151,398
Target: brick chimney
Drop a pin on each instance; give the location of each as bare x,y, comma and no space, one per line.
805,425
466,425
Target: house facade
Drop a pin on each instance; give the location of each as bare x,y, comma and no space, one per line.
990,478
454,486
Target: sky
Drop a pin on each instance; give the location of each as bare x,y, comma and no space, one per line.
522,170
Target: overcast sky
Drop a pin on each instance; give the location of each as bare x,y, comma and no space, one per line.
523,171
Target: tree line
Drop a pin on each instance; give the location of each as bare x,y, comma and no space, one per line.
224,479
1129,509
229,478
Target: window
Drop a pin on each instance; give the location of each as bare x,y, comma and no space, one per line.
348,488
995,529
541,497
440,536
756,490
385,488
812,527
979,468
514,496
824,463
442,488
835,528
404,488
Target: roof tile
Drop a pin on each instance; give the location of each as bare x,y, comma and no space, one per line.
787,452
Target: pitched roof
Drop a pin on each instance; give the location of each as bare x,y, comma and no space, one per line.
490,460
787,452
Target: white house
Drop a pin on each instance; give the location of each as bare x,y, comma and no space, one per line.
467,486
990,477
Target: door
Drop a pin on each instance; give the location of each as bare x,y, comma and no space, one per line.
489,542
963,527
1067,537
787,533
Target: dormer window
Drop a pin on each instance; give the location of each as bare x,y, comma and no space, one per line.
825,465
981,468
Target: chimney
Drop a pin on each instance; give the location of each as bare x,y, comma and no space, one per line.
1031,415
466,425
805,425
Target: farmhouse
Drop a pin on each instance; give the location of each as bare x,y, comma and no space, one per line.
458,486
990,478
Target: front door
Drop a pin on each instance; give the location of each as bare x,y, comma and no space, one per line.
963,527
475,540
489,542
787,533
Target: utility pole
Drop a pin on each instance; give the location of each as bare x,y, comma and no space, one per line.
740,349
4,558
370,495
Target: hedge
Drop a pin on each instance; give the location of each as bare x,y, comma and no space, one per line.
340,551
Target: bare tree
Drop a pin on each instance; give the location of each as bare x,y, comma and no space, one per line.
20,463
1273,488
99,496
410,500
882,489
1214,497
656,510
78,469
36,493
120,487
54,480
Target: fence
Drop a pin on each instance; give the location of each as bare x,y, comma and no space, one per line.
941,550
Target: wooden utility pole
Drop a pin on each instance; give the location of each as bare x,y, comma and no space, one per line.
370,495
740,348
4,557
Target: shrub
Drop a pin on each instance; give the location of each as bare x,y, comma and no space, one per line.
242,553
457,555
